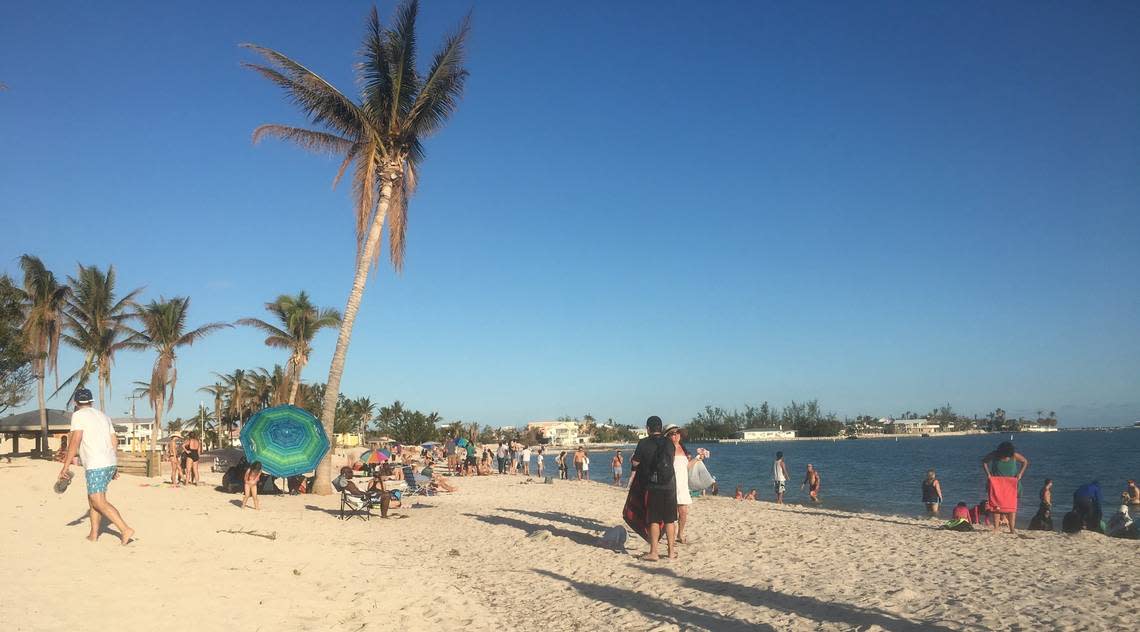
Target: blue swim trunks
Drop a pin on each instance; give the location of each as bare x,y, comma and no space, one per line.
98,479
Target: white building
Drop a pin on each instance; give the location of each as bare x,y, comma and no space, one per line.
133,434
556,432
765,434
914,426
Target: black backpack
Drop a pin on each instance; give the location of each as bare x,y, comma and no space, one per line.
661,470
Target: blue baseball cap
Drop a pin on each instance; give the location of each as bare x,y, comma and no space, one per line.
82,396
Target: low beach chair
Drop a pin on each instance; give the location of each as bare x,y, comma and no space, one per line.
414,488
351,505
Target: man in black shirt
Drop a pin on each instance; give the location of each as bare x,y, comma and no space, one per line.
660,496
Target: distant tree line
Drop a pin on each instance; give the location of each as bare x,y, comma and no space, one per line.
806,418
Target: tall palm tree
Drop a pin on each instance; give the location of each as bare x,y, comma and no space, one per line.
237,390
380,137
163,330
95,323
44,299
298,322
219,393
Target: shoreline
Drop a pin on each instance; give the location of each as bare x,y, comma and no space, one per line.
504,549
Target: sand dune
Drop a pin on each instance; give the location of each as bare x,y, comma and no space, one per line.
465,560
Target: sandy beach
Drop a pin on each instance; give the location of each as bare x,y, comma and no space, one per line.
465,560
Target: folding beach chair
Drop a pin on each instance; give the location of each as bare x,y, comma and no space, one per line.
351,505
414,488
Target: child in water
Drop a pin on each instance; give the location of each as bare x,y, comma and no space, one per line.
252,477
739,493
751,495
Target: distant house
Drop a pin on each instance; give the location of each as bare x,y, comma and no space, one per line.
556,432
914,426
133,433
765,434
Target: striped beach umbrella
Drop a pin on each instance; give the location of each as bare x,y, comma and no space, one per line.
287,440
372,457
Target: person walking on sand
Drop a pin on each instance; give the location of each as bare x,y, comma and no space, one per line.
780,477
811,479
93,438
1004,468
615,463
651,504
931,492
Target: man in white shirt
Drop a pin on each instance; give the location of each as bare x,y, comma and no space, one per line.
526,460
93,437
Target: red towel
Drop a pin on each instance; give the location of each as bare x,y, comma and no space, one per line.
1003,494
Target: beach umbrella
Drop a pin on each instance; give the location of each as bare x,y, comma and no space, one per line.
428,444
287,440
372,457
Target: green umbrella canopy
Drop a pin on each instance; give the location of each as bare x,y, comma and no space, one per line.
286,440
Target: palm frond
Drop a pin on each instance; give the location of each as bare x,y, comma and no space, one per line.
320,100
316,142
372,72
400,42
442,87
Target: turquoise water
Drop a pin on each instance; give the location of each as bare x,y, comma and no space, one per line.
884,475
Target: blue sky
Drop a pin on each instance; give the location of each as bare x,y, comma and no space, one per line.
638,208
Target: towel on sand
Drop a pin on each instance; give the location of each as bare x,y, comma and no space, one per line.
1003,494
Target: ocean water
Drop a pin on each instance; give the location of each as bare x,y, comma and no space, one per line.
884,476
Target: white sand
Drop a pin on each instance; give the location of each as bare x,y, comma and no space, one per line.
464,560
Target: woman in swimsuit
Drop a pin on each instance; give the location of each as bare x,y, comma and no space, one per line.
931,493
173,456
616,464
193,448
1005,461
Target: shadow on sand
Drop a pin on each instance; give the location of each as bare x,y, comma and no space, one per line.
660,610
558,516
578,537
809,607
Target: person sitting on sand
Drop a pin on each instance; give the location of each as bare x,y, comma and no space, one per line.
251,479
1046,494
961,512
1121,524
739,495
980,513
1042,520
751,494
811,479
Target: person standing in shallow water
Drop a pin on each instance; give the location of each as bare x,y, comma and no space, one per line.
931,493
780,477
615,463
93,438
1004,462
811,479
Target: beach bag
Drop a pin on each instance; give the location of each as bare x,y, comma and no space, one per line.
615,538
699,477
661,472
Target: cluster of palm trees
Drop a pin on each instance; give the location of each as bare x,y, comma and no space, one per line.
86,312
380,137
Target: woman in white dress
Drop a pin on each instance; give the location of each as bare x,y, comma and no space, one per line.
681,464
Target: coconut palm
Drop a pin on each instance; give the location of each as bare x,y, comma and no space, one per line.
95,324
219,393
44,299
380,137
237,391
298,322
163,330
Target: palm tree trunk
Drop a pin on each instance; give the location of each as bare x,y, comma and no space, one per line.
157,425
322,484
296,384
102,403
44,452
